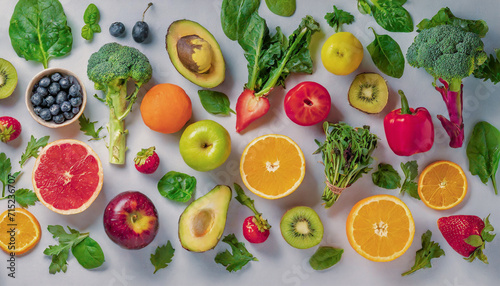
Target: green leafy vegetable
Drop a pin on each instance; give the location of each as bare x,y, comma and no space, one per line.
386,177
325,257
284,8
32,148
387,55
446,17
38,30
262,224
346,155
235,15
162,256
215,102
86,250
490,69
88,128
389,14
5,172
239,258
338,17
91,18
177,186
24,197
410,169
484,153
429,250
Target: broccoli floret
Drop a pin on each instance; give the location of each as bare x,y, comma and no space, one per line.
110,69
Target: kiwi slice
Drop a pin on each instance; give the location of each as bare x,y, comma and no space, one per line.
368,93
8,78
301,227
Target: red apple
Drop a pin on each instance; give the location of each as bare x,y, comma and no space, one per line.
131,220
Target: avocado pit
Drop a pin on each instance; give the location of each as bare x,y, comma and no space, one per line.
195,53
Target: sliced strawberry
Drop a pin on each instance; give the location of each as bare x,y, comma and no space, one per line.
253,231
249,108
10,128
147,161
467,235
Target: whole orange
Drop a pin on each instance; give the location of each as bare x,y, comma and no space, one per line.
166,108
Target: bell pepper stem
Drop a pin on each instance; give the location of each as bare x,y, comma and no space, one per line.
405,108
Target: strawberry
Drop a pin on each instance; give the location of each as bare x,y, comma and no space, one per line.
147,161
467,235
255,230
10,128
249,108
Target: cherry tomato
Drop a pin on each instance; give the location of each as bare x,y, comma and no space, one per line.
307,103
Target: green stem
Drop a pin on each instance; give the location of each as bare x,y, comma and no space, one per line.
116,126
405,108
494,182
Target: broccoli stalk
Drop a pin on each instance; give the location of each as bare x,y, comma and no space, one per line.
449,54
110,69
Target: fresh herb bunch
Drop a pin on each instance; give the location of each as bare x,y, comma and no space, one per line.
346,156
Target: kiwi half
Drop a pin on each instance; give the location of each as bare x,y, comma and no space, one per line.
301,227
368,93
8,78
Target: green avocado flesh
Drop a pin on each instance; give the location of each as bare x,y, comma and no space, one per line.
202,223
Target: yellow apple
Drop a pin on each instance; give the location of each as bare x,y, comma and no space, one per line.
342,53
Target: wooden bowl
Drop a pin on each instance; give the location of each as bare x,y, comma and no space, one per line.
36,79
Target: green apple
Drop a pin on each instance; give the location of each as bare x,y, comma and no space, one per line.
205,145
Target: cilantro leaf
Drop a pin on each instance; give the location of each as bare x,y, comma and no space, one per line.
162,256
25,197
386,177
429,250
338,17
239,258
88,128
32,148
410,169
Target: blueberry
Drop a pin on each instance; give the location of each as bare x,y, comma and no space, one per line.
37,110
58,118
75,101
74,91
36,99
68,115
61,96
49,100
42,91
75,110
65,106
45,114
54,88
44,103
140,32
55,109
117,29
64,83
56,77
44,82
35,86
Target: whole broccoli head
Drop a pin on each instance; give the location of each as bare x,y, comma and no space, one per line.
447,52
113,65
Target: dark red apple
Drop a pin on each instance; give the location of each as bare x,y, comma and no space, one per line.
131,220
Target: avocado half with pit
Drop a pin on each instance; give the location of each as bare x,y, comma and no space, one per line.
202,223
195,53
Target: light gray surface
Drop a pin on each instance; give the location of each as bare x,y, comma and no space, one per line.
279,264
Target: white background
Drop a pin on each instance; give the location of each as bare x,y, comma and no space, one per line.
279,263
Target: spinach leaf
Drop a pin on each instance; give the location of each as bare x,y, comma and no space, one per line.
364,7
387,55
325,257
446,17
483,152
177,186
88,253
393,17
386,177
38,30
284,8
215,102
235,16
91,19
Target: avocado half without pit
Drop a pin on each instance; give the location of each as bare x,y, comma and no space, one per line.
195,53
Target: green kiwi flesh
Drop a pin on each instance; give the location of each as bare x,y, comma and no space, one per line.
301,227
368,93
8,78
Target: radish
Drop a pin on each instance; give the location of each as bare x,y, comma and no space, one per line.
255,228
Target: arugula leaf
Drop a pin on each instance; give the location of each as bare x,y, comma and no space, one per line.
338,17
88,128
91,18
5,169
32,148
25,197
215,102
429,250
446,17
235,16
490,69
262,224
386,55
386,177
410,169
239,258
325,257
162,256
177,186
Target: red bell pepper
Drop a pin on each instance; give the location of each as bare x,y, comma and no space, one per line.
409,131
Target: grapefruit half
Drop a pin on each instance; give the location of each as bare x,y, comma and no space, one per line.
67,176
